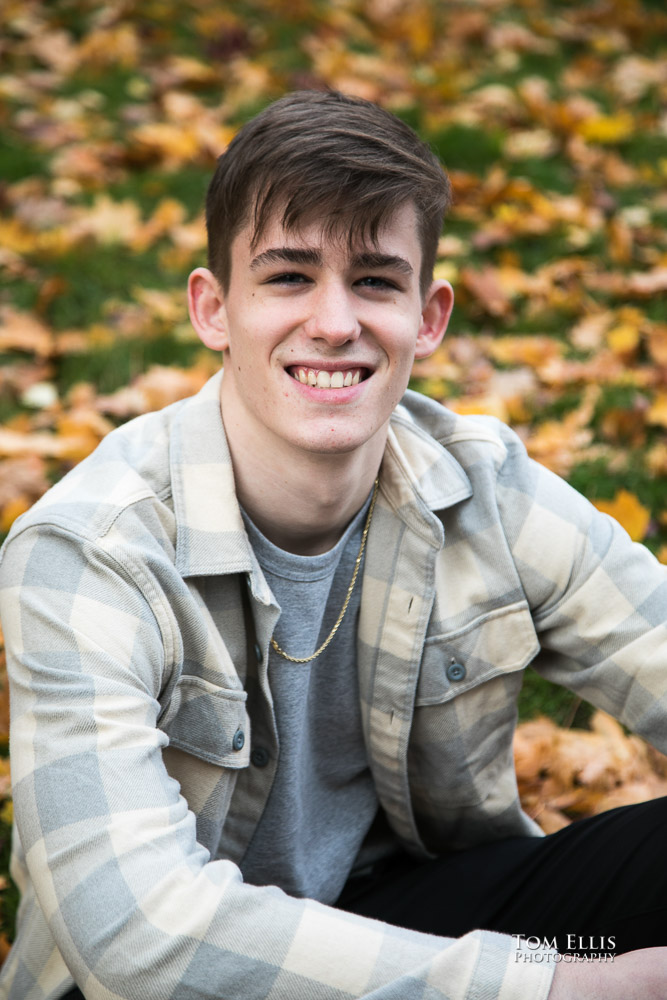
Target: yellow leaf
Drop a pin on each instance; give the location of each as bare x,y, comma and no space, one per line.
13,509
629,512
17,237
533,351
446,269
118,45
168,141
656,463
657,413
607,128
491,404
623,339
420,30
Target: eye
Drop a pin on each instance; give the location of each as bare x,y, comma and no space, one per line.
375,281
288,278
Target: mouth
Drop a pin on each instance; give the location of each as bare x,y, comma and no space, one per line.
324,378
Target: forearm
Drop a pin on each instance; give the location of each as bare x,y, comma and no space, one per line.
637,975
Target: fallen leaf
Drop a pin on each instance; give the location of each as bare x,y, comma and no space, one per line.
563,773
486,290
629,512
23,331
534,351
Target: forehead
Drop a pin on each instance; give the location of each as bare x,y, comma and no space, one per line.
398,235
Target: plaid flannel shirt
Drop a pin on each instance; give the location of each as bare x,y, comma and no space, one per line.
137,624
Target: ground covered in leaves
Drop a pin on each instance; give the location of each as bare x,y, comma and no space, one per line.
552,120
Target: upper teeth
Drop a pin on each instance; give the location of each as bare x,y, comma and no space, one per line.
327,380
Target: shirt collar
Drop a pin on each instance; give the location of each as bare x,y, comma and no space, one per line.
418,476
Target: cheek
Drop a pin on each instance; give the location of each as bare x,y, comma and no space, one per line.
401,353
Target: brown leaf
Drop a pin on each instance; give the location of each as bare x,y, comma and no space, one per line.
160,386
486,289
583,772
22,476
656,336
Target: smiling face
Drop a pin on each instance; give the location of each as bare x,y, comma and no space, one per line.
318,338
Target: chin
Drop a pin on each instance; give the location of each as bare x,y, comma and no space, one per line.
337,443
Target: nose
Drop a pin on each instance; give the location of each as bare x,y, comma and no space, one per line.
333,317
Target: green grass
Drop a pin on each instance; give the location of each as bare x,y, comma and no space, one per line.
148,187
547,174
116,366
92,275
540,697
19,159
465,147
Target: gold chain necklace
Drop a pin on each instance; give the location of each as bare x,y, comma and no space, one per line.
307,659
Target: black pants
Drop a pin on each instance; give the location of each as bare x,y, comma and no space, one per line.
600,879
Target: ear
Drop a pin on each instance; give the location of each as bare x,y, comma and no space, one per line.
206,304
436,311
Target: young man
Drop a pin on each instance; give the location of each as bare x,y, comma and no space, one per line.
265,645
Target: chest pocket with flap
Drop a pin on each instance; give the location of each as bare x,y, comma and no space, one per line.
209,722
465,706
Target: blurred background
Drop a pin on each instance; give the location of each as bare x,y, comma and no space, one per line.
551,118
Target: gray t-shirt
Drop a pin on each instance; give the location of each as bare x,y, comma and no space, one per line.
323,800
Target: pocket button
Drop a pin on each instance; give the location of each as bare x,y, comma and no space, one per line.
456,672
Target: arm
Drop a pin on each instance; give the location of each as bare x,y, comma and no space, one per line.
637,975
599,601
134,904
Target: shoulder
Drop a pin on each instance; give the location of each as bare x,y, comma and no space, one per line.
128,471
492,458
469,439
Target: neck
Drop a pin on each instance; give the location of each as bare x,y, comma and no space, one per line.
302,502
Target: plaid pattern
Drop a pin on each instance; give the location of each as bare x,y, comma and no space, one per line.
134,707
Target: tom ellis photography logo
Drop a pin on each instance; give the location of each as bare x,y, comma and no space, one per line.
570,948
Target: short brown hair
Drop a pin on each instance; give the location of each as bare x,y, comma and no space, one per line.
321,154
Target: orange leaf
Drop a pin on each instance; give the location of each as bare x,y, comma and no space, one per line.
22,331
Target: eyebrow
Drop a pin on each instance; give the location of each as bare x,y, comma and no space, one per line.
375,260
287,255
368,259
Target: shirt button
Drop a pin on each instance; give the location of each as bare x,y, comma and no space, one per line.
238,740
456,671
260,756
258,653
